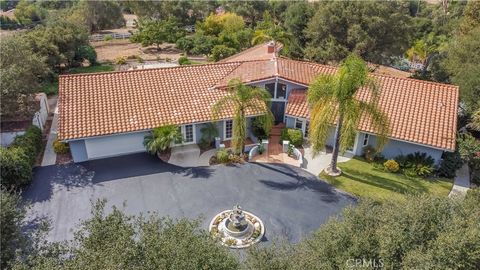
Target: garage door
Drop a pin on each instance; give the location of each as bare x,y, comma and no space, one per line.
117,145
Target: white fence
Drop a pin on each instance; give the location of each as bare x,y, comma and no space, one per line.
101,37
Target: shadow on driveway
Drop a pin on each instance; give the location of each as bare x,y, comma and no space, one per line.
92,172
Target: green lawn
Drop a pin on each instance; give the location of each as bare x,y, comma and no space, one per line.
91,69
362,179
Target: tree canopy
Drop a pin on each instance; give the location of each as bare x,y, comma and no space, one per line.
115,240
373,30
22,70
463,64
424,232
157,32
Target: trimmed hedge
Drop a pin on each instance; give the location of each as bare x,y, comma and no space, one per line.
17,160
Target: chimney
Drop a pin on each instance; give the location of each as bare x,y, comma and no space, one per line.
271,47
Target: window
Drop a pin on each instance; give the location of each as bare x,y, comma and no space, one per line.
365,140
270,87
188,134
299,124
228,129
307,125
281,91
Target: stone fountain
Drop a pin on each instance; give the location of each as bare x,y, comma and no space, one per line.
237,228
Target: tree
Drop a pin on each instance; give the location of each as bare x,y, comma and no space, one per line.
462,62
332,98
21,71
252,11
185,44
115,240
156,32
11,218
27,12
242,99
216,24
268,30
471,16
161,138
97,15
58,42
221,51
18,239
373,30
422,232
297,16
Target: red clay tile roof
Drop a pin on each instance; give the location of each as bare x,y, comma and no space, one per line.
116,102
418,111
107,103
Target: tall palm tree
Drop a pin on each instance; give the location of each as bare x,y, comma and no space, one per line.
242,99
332,98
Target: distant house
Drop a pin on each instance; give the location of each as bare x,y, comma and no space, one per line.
108,114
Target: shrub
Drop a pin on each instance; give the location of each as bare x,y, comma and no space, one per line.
222,156
161,138
15,167
120,60
30,142
257,129
261,148
184,61
294,136
107,37
452,161
416,164
60,147
391,166
86,52
369,152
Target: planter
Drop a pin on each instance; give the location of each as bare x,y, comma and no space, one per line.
164,155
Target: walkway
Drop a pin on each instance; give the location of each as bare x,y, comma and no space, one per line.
274,153
49,156
461,183
315,165
185,155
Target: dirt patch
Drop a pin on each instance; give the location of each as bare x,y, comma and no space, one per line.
108,51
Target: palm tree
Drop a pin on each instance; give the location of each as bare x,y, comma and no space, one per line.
161,138
332,98
243,99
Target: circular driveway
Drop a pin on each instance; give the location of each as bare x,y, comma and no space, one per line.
290,201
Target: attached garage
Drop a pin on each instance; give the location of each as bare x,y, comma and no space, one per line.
107,146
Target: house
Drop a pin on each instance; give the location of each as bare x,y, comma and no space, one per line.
108,114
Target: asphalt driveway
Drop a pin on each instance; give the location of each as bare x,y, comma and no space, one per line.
290,201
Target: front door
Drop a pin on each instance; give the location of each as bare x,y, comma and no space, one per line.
278,110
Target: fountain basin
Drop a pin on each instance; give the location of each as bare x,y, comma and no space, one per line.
233,238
